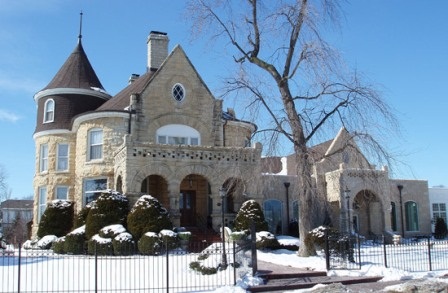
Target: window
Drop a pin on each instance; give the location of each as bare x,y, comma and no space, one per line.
62,159
43,158
176,134
61,192
92,188
273,215
95,144
393,216
411,214
49,111
42,202
439,211
178,92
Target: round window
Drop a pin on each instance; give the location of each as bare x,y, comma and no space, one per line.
178,92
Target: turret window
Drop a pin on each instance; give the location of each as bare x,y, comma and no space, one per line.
62,160
49,111
95,151
43,162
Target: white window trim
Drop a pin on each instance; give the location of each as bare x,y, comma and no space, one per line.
43,160
84,191
60,187
42,202
178,131
59,157
183,90
89,144
47,110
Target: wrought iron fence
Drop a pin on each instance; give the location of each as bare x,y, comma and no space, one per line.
413,255
174,271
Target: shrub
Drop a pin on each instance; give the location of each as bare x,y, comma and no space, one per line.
81,217
75,241
184,235
267,240
112,231
147,215
150,244
199,267
100,246
250,210
57,219
440,230
41,243
110,207
58,245
123,244
169,239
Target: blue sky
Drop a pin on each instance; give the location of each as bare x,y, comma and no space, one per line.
401,45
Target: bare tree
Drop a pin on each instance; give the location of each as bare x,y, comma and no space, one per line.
294,78
5,193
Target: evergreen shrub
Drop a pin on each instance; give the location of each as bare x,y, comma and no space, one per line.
440,230
100,246
109,208
123,244
57,219
81,217
250,210
147,215
75,241
150,244
58,245
169,239
267,240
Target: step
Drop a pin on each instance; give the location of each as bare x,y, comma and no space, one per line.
294,283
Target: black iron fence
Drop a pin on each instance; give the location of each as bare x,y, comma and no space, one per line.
174,271
413,255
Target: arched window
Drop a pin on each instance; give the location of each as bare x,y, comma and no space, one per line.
393,216
178,134
273,214
49,111
411,213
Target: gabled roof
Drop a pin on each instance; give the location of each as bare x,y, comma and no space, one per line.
77,72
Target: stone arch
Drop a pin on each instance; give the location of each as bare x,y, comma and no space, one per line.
161,170
368,214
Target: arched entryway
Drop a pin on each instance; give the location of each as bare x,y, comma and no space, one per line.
194,203
367,214
157,187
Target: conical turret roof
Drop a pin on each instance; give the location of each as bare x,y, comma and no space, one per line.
77,72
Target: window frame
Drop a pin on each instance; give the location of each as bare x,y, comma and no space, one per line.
57,192
42,193
91,145
86,191
277,214
411,216
175,92
49,108
60,158
43,159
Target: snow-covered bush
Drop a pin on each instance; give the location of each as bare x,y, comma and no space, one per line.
57,218
40,243
81,217
111,207
75,241
267,240
148,215
150,244
58,245
123,244
169,239
250,211
100,246
112,230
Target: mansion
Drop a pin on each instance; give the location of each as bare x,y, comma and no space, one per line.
166,135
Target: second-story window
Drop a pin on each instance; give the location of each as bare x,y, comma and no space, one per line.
95,150
49,111
43,162
178,134
62,159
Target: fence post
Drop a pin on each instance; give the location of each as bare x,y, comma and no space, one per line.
327,250
253,240
429,253
234,263
96,268
19,267
384,251
167,267
359,249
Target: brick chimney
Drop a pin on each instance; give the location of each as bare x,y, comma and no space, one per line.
157,49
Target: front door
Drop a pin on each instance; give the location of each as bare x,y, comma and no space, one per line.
187,208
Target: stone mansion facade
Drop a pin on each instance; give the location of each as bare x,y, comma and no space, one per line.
166,135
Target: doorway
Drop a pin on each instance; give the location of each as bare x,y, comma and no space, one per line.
187,208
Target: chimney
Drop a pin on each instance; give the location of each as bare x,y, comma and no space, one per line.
157,49
133,77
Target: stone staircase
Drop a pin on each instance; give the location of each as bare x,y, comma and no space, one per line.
278,278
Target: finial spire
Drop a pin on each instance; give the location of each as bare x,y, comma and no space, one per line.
80,27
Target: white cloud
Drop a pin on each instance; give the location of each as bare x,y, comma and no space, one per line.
8,116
